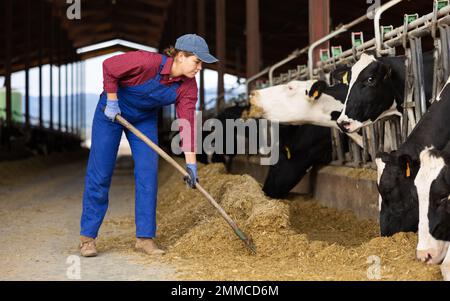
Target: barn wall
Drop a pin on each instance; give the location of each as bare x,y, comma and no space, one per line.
336,187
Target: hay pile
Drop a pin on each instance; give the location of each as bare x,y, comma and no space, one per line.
296,239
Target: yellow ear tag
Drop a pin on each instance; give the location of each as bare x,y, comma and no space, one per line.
288,152
316,94
408,170
345,79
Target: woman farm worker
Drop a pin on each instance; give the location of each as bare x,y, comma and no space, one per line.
136,85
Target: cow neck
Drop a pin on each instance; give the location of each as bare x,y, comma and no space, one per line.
397,85
324,110
424,134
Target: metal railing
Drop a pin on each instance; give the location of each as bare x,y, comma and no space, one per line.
388,133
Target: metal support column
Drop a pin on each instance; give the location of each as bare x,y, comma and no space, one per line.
66,103
189,14
319,23
221,51
77,98
52,25
419,81
445,44
27,63
8,42
59,80
72,99
41,38
253,37
202,32
83,91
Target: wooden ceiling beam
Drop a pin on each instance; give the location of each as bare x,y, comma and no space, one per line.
95,39
156,3
106,50
141,16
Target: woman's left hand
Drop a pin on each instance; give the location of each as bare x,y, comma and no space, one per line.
192,179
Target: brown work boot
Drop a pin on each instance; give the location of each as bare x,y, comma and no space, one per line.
148,246
87,246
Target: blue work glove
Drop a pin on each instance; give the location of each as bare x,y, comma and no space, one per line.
112,109
192,178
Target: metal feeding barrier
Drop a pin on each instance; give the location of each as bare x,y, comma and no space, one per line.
387,133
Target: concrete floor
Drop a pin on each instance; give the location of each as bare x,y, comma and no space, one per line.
39,229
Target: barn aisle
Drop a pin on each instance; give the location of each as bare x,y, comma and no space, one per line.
39,225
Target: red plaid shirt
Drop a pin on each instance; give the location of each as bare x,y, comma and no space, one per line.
137,67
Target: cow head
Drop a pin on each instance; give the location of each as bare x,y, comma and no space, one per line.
370,95
298,102
398,196
433,188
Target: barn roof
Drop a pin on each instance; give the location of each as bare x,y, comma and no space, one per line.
157,23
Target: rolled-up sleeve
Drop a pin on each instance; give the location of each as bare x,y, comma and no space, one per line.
124,67
185,108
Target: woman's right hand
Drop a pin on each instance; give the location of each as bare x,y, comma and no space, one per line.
112,109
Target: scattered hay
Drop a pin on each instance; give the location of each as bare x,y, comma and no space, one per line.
296,239
253,112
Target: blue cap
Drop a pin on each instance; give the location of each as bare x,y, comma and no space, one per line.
196,45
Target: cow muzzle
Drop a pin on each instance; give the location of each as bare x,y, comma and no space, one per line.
256,110
344,126
254,99
429,256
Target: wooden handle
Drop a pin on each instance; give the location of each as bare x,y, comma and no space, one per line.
169,159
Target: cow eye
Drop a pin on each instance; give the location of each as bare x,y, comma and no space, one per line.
370,80
443,200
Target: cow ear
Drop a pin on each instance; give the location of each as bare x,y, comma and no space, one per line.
405,163
342,75
371,53
317,89
385,157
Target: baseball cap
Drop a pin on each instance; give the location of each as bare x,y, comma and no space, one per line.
196,45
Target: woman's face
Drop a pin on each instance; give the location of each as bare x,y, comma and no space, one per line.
190,65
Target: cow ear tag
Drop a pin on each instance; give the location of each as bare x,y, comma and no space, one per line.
408,170
316,94
345,79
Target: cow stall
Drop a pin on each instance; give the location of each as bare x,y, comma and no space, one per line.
388,41
387,133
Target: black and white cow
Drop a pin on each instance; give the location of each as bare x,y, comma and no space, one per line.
399,209
376,89
433,189
301,148
303,102
232,114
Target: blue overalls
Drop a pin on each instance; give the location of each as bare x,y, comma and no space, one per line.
139,105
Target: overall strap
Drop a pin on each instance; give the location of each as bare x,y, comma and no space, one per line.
163,62
161,66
